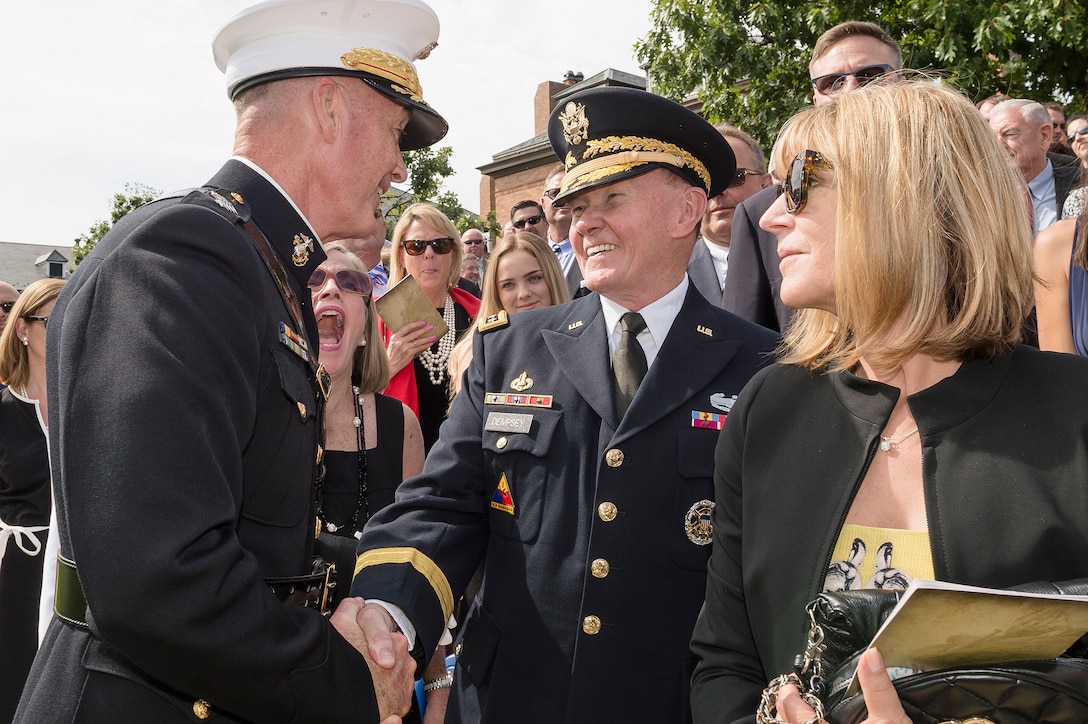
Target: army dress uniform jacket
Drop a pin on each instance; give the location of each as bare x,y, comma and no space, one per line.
184,432
593,529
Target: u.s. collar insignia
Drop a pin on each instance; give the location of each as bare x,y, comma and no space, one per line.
697,523
575,123
705,330
522,382
303,246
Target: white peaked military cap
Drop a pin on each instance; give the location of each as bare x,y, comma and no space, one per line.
377,41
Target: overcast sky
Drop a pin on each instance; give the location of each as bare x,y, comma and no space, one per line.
100,93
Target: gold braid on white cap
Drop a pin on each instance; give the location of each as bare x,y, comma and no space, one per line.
393,68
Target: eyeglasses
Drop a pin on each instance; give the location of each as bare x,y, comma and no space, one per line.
742,176
1083,130
6,306
796,184
552,193
472,242
349,280
415,247
833,83
530,221
43,320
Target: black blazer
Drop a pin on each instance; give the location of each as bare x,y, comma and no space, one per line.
583,518
753,281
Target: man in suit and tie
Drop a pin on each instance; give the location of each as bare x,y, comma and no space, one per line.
558,218
710,256
846,57
577,463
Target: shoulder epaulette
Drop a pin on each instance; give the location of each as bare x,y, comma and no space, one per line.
229,201
495,321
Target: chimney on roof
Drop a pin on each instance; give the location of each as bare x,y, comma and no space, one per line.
572,78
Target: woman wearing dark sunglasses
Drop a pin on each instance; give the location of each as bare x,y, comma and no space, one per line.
425,246
25,500
904,432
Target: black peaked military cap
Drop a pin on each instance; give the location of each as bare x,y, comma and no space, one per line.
609,134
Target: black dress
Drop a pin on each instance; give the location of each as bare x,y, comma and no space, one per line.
434,400
24,502
340,493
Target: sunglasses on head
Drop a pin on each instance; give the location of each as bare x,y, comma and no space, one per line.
33,318
1072,136
6,306
833,83
531,221
349,280
415,247
795,185
742,176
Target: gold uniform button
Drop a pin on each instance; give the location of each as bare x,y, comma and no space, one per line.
614,458
607,512
591,625
501,443
599,568
202,709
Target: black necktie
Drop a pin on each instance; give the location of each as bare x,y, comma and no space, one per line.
628,362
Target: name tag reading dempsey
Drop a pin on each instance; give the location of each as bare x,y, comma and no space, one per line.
508,422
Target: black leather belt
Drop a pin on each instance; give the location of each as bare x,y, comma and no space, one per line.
312,591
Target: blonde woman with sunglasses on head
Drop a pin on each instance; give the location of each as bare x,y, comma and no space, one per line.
425,246
904,432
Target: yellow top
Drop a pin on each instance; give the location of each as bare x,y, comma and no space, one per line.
868,557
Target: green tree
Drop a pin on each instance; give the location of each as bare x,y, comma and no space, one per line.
748,59
427,169
135,194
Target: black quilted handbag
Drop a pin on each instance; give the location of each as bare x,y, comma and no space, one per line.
1053,691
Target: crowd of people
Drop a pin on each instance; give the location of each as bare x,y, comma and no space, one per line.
691,386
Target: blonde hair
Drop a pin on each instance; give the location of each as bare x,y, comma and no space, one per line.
933,249
430,215
369,364
14,357
490,305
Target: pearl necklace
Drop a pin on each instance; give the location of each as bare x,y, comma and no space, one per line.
887,443
362,502
435,362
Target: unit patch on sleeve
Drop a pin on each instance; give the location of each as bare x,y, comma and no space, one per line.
502,500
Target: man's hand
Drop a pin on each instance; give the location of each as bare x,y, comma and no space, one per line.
370,629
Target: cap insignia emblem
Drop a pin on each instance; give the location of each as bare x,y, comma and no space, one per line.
697,523
303,246
522,382
393,68
575,123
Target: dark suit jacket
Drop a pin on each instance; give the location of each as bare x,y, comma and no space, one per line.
1067,171
753,280
591,584
702,273
183,435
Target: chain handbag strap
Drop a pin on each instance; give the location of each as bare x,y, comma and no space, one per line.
807,677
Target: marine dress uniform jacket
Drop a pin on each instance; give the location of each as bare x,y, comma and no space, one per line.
184,433
591,584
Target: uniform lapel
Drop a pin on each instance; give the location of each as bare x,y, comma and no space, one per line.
695,351
580,349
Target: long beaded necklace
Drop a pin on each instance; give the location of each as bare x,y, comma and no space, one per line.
435,362
362,502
